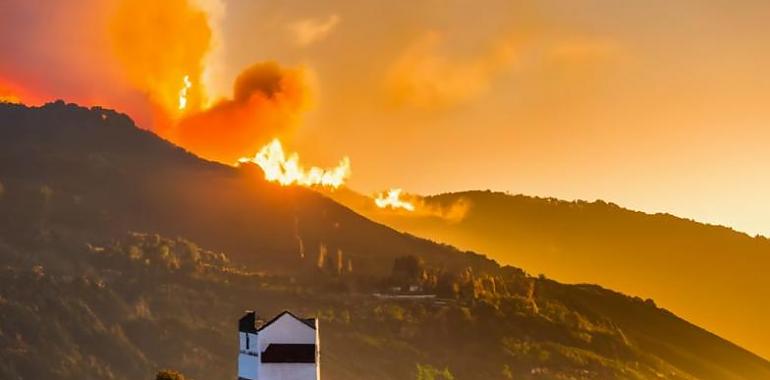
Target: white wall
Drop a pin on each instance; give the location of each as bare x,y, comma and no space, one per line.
252,339
288,371
287,330
248,365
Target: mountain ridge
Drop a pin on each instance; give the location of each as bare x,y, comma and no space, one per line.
712,274
77,182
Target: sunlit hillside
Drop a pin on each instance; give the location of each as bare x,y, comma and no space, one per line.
712,275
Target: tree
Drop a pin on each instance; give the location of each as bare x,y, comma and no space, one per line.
428,372
407,270
322,252
168,374
506,373
447,285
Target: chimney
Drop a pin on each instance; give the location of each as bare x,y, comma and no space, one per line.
248,323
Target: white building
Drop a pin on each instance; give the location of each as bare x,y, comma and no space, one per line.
284,348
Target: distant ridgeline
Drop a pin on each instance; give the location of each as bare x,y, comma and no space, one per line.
710,274
121,254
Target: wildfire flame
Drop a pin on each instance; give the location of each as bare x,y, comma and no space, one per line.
183,92
11,93
286,170
9,98
392,199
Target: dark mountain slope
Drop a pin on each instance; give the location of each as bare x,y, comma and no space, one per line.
712,275
81,297
117,178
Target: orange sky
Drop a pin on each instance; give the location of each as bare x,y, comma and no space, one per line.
654,105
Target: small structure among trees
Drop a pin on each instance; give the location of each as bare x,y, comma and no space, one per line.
284,348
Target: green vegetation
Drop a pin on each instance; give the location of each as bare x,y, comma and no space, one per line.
120,309
81,296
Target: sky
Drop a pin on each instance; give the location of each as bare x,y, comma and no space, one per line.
654,105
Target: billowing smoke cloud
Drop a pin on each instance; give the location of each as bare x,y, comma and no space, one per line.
163,47
150,59
267,100
158,44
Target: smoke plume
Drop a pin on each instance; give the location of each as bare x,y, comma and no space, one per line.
150,59
266,101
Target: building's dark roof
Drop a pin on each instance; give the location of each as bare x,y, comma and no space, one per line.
248,323
289,353
310,322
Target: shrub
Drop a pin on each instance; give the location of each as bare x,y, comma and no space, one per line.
168,374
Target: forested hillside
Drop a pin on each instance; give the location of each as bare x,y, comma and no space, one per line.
711,275
121,254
